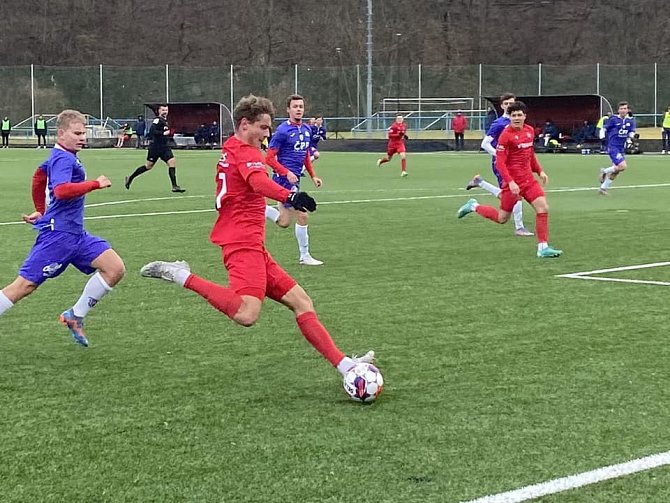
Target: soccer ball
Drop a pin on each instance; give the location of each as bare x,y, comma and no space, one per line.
363,382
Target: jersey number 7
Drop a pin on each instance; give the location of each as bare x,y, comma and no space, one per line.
222,192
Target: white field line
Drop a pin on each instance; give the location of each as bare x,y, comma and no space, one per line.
578,480
348,201
589,275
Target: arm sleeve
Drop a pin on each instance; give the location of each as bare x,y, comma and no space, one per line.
486,145
72,190
259,181
308,165
501,159
39,187
534,164
272,161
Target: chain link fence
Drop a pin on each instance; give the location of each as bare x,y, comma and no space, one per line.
337,93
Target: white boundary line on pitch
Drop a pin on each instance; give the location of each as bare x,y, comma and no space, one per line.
578,480
589,274
348,201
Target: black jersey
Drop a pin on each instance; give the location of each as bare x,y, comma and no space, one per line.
157,132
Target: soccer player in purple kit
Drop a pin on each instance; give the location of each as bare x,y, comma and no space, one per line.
489,144
318,134
290,150
61,238
619,129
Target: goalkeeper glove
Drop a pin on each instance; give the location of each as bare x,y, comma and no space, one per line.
301,201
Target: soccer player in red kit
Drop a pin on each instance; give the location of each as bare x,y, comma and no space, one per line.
242,184
516,162
397,134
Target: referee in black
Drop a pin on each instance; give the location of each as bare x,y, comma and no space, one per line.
159,149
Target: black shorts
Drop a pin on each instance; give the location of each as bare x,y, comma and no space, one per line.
155,153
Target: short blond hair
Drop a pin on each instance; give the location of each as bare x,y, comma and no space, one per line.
252,108
68,117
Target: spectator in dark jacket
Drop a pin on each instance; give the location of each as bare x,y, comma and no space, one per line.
141,130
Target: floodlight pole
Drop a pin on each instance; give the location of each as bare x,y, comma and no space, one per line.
232,89
368,109
32,92
167,84
101,98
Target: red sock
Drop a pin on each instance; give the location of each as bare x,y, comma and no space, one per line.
403,164
317,335
222,298
542,227
488,212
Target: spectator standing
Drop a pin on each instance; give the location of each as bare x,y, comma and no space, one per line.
666,131
141,130
459,124
41,131
5,129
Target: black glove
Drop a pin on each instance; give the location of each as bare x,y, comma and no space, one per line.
302,201
406,137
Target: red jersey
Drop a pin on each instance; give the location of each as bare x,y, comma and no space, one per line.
515,156
242,184
397,132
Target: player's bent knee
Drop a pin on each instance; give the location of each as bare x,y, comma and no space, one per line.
249,311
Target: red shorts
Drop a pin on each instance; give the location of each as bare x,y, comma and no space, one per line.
395,148
529,191
255,273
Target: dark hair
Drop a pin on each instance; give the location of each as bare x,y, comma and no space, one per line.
251,108
293,97
517,106
506,96
622,103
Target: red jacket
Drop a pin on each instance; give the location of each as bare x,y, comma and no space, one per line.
459,123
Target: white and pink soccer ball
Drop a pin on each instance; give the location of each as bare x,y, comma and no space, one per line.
363,382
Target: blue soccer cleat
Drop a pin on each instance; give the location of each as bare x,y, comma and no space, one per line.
468,207
549,252
76,326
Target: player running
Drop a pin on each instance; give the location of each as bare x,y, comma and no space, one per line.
397,134
289,151
159,133
489,144
242,185
619,129
61,238
318,134
516,163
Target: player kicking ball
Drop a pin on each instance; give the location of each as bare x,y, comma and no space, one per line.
242,186
516,162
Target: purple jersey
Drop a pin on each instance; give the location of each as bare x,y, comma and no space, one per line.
292,142
318,134
618,130
497,127
63,166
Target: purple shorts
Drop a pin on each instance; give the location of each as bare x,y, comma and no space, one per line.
53,251
283,181
496,172
616,155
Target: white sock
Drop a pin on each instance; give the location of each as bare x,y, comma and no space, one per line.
303,239
606,184
272,213
345,365
5,303
610,170
96,288
542,246
517,211
489,187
